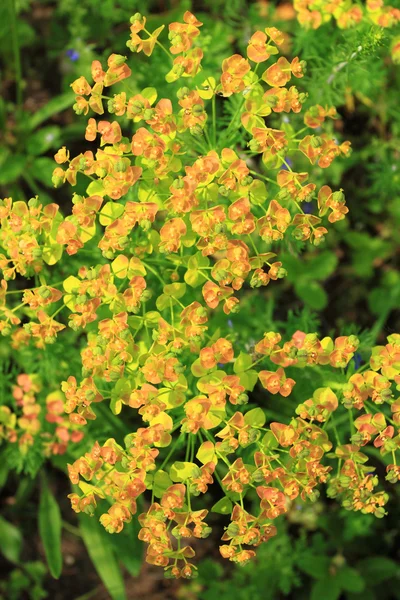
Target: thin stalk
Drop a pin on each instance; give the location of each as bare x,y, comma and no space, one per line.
214,120
16,53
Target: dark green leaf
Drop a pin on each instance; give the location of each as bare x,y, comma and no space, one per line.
42,140
315,566
11,167
350,580
50,530
11,541
377,569
312,293
326,589
129,548
223,506
53,107
102,555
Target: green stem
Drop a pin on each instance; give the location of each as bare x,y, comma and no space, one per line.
214,119
16,52
265,178
172,450
154,273
71,528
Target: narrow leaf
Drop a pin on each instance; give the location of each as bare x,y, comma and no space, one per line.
11,541
50,530
101,553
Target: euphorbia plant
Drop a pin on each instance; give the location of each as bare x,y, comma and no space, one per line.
178,229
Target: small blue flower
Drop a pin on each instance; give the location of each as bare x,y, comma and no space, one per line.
72,54
358,361
220,365
230,324
308,207
288,162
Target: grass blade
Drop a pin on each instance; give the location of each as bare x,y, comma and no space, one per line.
101,553
50,530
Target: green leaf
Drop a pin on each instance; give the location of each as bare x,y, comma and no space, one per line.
197,369
322,265
96,188
50,530
11,541
11,167
381,299
223,506
248,379
377,569
71,284
326,589
350,580
255,417
150,94
129,548
102,555
53,107
110,212
152,318
312,293
269,440
161,483
182,471
42,140
51,252
258,192
315,566
4,471
242,363
198,261
193,277
173,398
175,290
206,453
42,170
163,301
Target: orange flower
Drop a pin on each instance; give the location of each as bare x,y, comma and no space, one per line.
170,235
276,382
234,70
182,35
81,87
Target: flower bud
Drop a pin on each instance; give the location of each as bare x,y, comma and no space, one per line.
316,141
146,296
242,399
148,114
254,145
58,177
232,530
183,92
248,180
197,110
44,293
136,17
338,196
